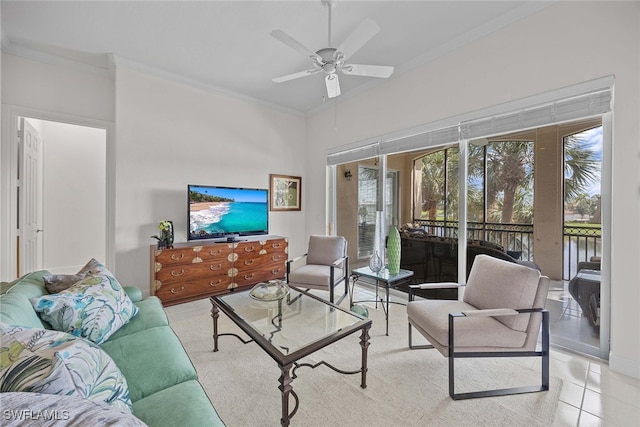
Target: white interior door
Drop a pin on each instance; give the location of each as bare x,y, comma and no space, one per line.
29,199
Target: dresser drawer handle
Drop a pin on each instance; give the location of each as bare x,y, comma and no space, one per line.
276,257
177,257
249,261
276,271
249,248
275,245
215,267
212,283
173,290
218,252
176,273
248,276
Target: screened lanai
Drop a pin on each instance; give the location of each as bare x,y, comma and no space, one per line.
535,192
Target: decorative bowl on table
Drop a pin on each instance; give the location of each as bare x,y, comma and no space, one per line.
272,290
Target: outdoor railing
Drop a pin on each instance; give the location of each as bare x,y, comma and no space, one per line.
517,239
580,242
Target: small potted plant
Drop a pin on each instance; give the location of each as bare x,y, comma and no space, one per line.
165,238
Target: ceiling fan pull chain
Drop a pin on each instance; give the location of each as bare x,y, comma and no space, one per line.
335,115
329,8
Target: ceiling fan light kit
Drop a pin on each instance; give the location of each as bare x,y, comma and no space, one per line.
330,60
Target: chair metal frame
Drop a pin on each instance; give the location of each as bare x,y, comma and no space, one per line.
332,284
452,355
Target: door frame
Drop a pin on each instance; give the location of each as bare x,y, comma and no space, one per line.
8,181
30,244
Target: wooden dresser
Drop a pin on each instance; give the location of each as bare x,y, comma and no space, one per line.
196,270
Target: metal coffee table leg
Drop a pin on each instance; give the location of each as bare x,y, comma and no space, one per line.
286,389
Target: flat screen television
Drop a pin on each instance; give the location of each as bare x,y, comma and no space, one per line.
224,212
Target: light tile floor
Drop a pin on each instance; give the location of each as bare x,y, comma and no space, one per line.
592,394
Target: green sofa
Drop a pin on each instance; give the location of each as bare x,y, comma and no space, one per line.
163,384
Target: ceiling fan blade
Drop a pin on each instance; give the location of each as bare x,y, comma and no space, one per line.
295,75
358,37
333,85
293,43
382,71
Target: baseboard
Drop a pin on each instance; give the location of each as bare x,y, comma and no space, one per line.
624,365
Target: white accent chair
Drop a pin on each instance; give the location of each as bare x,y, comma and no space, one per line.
325,266
499,316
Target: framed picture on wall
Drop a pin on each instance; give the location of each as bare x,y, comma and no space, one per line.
285,193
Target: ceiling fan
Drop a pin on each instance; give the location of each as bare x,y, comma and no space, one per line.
331,60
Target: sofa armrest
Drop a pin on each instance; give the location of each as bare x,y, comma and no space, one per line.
134,293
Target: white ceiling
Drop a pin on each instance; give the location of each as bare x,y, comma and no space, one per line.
226,45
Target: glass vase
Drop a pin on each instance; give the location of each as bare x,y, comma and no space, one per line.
378,240
375,262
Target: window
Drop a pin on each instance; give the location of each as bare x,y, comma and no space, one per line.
500,191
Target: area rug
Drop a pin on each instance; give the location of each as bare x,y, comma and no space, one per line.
404,387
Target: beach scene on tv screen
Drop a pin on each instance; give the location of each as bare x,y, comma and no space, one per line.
218,211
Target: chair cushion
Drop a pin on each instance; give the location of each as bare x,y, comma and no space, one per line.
325,250
433,317
189,406
151,360
495,283
150,314
315,275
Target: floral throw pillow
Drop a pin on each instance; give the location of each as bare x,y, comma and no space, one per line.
94,308
52,362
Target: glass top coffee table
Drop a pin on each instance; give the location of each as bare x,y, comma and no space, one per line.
386,278
289,329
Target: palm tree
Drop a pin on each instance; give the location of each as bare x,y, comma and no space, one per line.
432,183
509,177
580,167
509,170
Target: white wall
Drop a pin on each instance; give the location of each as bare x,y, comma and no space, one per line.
565,44
74,195
50,90
170,135
58,87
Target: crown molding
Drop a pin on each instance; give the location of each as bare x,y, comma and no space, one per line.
100,67
137,66
112,61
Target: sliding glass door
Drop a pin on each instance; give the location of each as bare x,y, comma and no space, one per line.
368,202
498,177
